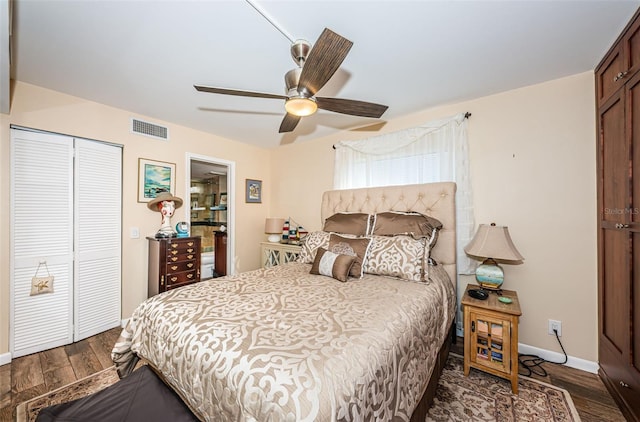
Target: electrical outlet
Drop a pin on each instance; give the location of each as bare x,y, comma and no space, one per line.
555,325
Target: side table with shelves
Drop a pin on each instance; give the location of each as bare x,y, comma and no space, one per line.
491,335
272,253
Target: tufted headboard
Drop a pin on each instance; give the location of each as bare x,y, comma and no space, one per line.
434,199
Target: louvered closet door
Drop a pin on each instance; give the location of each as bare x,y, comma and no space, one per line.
41,231
98,181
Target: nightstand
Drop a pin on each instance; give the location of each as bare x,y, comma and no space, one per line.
491,335
278,253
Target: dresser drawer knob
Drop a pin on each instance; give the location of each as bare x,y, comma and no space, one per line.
189,256
174,258
174,245
624,384
174,279
189,275
190,250
174,252
190,243
174,267
190,265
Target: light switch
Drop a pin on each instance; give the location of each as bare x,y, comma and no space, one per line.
134,233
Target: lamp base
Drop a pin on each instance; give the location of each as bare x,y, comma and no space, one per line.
274,238
489,275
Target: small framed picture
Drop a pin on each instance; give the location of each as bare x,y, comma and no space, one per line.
254,191
155,177
223,199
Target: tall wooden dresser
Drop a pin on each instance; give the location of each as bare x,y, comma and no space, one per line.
173,262
618,171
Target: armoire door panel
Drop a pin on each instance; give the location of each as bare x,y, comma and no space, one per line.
635,308
606,81
615,289
631,45
614,158
633,116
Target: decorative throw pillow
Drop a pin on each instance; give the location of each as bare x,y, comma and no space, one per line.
357,247
398,256
332,264
310,244
355,223
409,223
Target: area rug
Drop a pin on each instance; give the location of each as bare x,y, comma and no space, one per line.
484,397
28,411
478,397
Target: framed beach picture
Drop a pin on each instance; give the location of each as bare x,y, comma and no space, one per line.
155,177
254,191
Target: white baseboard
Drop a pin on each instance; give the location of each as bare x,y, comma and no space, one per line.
573,362
5,358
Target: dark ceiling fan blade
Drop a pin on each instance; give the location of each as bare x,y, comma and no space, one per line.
238,93
324,59
289,123
352,107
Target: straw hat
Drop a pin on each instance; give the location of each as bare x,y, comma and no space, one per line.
164,196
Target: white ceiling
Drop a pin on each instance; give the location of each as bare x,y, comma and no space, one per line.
145,56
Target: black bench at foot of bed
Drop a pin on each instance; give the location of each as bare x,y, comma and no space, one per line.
141,396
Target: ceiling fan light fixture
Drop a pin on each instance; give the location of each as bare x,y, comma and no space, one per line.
300,106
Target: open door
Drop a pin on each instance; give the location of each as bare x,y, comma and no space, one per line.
210,212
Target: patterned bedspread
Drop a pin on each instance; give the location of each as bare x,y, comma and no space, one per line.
280,344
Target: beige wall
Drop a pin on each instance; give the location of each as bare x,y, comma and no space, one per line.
38,108
532,153
532,164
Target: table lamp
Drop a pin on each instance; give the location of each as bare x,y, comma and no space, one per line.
492,243
273,227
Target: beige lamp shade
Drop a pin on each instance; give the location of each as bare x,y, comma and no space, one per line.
273,227
493,241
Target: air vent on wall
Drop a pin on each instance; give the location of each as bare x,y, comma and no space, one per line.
149,129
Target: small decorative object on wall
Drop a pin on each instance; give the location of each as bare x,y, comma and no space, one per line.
223,199
254,191
41,284
155,177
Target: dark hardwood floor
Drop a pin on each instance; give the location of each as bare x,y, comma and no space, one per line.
33,375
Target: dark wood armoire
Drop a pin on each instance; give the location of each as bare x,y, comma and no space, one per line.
618,171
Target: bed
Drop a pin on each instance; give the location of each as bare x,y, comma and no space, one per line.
282,344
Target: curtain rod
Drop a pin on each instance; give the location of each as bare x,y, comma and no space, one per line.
466,116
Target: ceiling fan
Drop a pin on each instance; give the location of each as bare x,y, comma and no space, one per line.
315,67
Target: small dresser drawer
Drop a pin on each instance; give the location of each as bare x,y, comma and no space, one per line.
176,267
180,278
177,257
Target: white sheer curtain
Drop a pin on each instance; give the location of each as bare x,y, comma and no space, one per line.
436,151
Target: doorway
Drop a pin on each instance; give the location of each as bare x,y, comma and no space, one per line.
210,211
